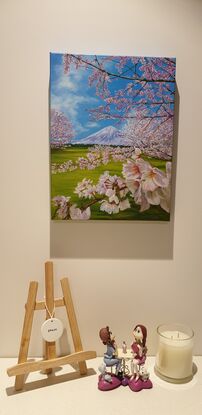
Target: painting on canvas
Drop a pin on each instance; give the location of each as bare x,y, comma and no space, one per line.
111,137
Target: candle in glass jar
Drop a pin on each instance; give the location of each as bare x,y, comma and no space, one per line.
174,356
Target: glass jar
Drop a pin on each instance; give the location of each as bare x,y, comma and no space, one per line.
174,359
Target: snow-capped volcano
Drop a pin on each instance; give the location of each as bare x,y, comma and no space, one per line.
106,136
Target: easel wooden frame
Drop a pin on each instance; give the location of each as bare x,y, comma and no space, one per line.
23,366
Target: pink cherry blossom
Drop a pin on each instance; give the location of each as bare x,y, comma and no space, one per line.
136,154
151,177
114,189
82,163
61,131
109,207
140,199
165,193
114,205
85,188
111,194
131,170
79,214
62,203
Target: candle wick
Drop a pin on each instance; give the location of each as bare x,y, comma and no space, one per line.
172,337
178,334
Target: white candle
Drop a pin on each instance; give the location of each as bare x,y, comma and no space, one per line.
174,356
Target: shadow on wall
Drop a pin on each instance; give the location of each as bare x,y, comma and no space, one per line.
118,239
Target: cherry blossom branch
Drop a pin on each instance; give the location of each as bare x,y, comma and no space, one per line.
117,75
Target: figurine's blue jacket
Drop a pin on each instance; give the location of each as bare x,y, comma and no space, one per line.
110,352
109,358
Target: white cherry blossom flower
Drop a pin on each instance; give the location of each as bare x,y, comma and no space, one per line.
161,194
78,214
151,177
133,185
153,197
109,207
112,196
136,154
58,200
114,188
140,199
85,188
131,170
82,162
165,193
62,203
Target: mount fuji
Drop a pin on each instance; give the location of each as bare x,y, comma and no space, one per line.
106,136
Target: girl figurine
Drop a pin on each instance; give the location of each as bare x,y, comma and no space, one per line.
140,377
139,348
110,360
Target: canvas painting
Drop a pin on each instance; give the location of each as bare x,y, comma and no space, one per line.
111,137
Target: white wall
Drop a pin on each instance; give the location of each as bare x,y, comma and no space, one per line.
120,273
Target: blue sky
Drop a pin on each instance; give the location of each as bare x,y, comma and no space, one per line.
71,94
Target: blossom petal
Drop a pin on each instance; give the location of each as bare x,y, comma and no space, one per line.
153,197
78,214
160,177
124,204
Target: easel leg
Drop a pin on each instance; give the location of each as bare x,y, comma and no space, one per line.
50,347
73,322
26,332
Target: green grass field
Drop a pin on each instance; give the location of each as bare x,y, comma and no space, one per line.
65,183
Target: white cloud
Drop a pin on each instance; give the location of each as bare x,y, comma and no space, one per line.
65,82
68,81
69,104
92,124
80,128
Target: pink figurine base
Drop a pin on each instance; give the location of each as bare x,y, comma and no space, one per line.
138,385
104,385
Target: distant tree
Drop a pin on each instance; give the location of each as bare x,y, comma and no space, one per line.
61,131
155,139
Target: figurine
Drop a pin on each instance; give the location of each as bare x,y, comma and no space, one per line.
124,347
140,377
139,349
109,381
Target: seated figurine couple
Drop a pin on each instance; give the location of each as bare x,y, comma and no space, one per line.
139,378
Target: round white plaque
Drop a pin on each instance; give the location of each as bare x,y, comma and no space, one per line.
52,329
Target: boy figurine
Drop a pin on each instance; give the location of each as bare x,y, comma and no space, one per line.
110,360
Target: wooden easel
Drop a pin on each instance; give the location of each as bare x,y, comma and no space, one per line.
24,366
